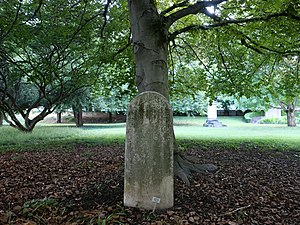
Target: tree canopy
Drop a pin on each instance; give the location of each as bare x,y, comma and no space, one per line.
232,40
49,50
219,46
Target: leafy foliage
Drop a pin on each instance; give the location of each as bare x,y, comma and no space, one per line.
45,51
52,50
250,115
230,45
282,120
196,105
116,101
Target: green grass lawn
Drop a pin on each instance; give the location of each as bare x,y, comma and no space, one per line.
188,130
237,133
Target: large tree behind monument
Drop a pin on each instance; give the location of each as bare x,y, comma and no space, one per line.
156,25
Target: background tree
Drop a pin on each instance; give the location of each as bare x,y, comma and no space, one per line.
1,118
116,85
277,86
228,55
51,47
79,101
284,85
60,46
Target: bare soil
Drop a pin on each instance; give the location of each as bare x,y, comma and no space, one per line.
85,186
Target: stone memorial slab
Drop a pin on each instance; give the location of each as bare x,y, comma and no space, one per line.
148,181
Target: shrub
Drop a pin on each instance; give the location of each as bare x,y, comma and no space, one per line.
69,119
249,116
282,120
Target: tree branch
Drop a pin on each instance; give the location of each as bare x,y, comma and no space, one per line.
195,53
105,18
36,11
243,42
75,4
245,38
79,29
236,210
14,22
196,8
175,6
172,67
224,64
223,23
173,35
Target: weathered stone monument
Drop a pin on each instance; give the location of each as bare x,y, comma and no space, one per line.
149,181
212,118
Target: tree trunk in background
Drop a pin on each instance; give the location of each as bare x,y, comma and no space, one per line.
58,117
291,116
1,118
78,116
109,117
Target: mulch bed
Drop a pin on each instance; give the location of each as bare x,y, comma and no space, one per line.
85,186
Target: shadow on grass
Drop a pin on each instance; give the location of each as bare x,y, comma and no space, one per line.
108,126
89,126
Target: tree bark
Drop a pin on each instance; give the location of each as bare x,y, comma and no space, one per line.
58,117
150,44
291,116
1,118
78,116
109,117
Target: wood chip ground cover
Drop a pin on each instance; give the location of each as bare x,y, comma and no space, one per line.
85,186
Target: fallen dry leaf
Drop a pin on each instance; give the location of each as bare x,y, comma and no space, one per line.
86,185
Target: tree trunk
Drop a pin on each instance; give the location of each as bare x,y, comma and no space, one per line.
78,116
150,45
291,116
1,118
109,117
58,117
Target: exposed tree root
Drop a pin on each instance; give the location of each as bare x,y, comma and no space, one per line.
184,167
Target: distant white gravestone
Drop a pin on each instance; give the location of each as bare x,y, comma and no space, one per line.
149,181
212,116
212,111
273,113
